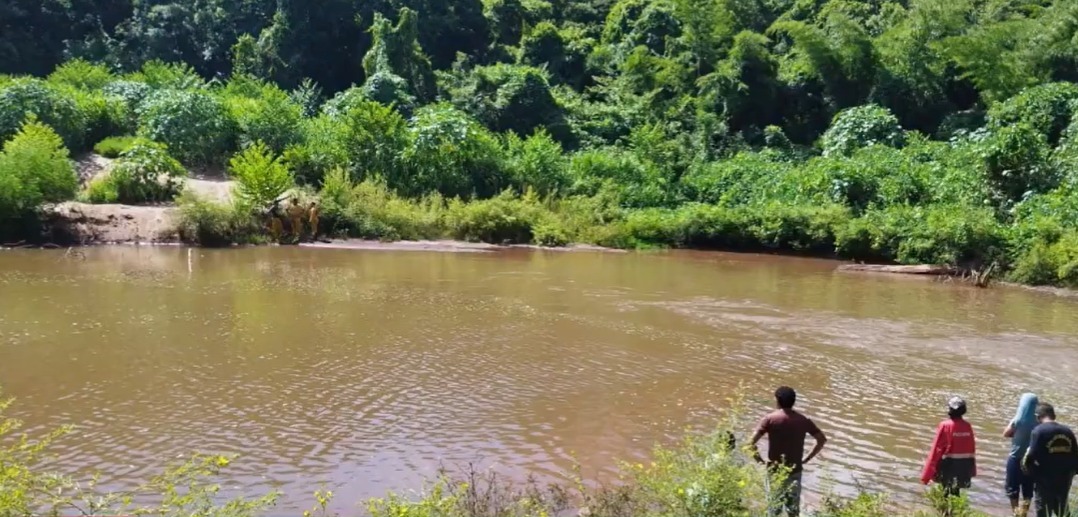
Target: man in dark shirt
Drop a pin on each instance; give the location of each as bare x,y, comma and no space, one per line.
1051,460
786,430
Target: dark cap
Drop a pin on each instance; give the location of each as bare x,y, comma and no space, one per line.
956,404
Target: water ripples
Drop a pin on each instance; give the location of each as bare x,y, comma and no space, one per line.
368,372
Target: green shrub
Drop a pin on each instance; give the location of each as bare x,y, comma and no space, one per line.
322,149
105,116
195,125
504,219
741,179
862,126
772,226
1046,108
1015,163
1049,262
114,146
145,173
130,94
537,162
261,177
450,153
82,74
344,101
168,76
941,234
637,184
510,98
308,95
51,105
263,113
35,168
371,210
100,191
374,138
213,224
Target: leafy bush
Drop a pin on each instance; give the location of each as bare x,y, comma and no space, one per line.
261,176
941,234
51,105
370,210
168,76
130,94
196,126
757,227
741,179
537,162
100,191
145,173
105,116
504,219
862,126
637,184
510,98
1015,162
82,74
34,168
1049,262
344,101
211,224
263,113
1045,108
450,153
374,138
322,149
114,146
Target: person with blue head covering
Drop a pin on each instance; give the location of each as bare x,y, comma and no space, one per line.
1019,485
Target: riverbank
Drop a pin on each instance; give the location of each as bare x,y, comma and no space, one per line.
84,224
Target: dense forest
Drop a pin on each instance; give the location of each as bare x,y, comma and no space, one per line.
910,131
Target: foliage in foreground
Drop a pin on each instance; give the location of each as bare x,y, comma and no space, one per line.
185,488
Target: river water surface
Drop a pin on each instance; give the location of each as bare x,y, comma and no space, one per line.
367,370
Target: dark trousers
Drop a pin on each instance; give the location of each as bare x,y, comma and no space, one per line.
788,498
1050,496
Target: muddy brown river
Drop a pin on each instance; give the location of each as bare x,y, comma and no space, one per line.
364,371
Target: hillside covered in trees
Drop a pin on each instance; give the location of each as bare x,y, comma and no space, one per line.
912,131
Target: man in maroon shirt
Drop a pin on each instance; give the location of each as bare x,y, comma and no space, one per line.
786,430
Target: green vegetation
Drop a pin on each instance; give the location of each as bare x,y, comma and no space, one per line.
894,130
114,146
144,173
34,169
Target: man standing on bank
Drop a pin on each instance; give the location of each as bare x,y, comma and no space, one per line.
1051,460
786,430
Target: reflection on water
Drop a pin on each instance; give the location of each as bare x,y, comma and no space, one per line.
367,370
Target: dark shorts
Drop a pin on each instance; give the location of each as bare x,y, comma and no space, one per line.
1018,485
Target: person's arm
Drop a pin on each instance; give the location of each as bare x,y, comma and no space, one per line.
1032,457
761,430
935,453
1009,431
1074,455
820,441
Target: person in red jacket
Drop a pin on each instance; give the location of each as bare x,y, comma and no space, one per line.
951,460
